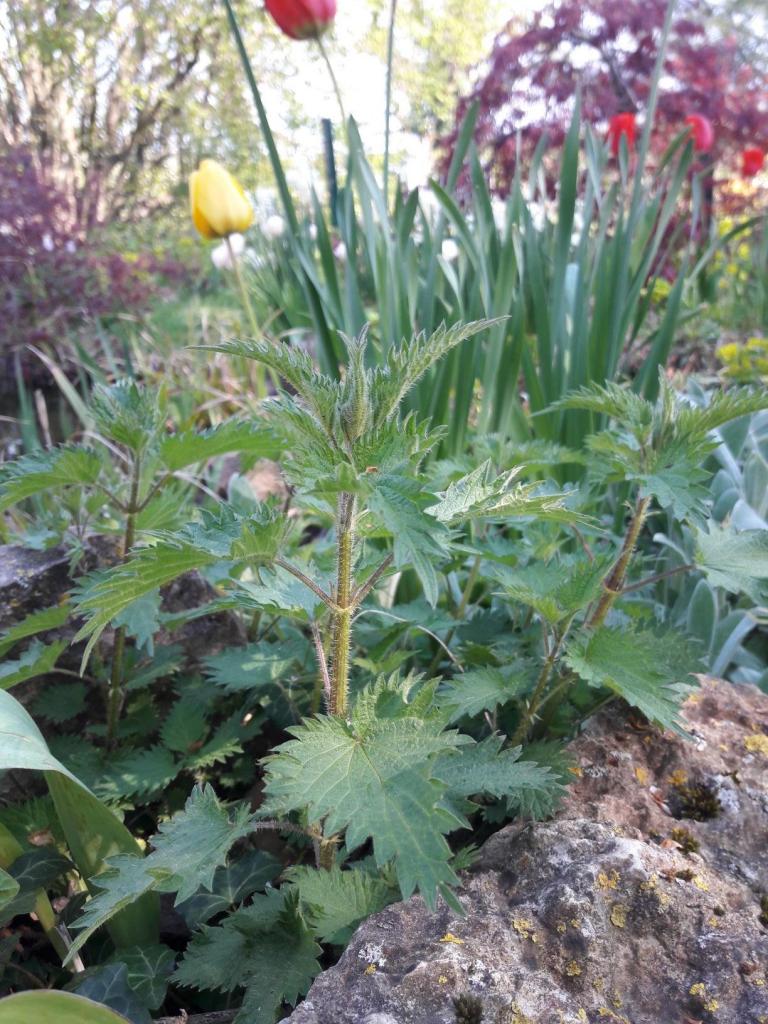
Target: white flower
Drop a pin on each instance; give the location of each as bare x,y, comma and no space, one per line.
449,250
47,242
221,255
340,252
70,245
313,232
274,226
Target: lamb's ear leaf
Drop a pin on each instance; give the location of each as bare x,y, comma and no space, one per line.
51,1007
92,831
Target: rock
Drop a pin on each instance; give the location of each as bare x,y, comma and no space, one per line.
709,791
601,916
30,580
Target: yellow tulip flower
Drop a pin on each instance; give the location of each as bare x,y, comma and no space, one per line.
217,201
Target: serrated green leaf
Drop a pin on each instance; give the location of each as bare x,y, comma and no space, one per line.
36,622
64,466
735,560
483,689
651,671
255,665
187,850
141,619
191,447
375,785
185,726
60,703
418,541
266,948
486,768
38,659
557,590
479,495
139,773
336,901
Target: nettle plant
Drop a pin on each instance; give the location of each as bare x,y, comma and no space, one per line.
538,592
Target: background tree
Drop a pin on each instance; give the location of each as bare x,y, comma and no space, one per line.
606,49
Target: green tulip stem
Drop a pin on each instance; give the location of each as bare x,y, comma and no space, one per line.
261,388
336,88
388,99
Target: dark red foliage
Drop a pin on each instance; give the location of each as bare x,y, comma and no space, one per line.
607,49
53,280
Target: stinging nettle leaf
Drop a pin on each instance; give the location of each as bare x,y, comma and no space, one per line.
64,466
735,560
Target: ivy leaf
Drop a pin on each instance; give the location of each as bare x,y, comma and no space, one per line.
336,901
735,560
190,447
231,884
38,659
417,540
265,947
376,782
483,689
646,668
64,466
108,984
148,969
484,768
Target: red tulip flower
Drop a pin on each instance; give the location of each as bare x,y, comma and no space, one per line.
752,160
302,19
621,124
702,131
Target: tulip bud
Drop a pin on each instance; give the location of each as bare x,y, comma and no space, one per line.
702,131
302,19
217,201
621,124
752,160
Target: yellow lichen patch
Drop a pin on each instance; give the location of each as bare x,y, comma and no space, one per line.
714,922
523,927
617,1000
442,980
650,885
582,1015
699,990
370,969
700,883
711,1005
610,1015
678,777
572,969
599,984
619,915
642,776
561,928
449,937
606,881
575,770
575,922
757,744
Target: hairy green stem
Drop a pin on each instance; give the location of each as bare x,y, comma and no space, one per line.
614,583
342,617
115,694
521,732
